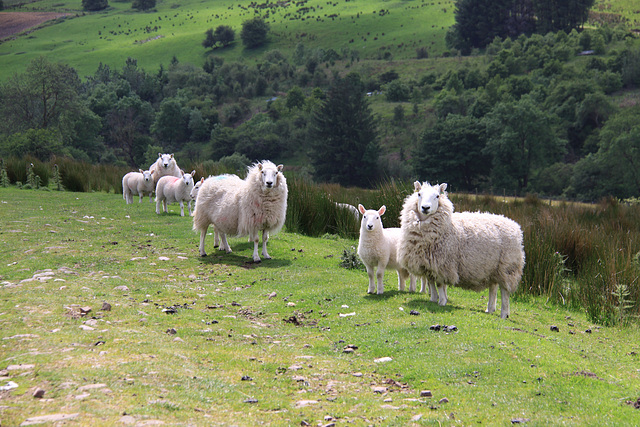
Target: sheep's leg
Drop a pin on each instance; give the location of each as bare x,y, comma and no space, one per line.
505,310
380,276
412,283
371,272
158,203
256,241
151,197
190,211
182,208
141,195
442,295
493,296
265,239
401,280
203,233
433,291
224,246
164,206
216,238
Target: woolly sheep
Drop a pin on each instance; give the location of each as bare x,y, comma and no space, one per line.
137,183
243,207
470,250
171,189
350,208
377,248
165,166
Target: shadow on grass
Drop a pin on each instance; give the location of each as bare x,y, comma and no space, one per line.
234,258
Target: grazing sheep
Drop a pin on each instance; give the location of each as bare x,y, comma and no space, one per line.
377,248
350,208
137,183
470,250
171,189
243,207
165,166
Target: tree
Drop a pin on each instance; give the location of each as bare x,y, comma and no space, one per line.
254,33
94,5
143,4
343,136
295,98
520,138
223,35
451,151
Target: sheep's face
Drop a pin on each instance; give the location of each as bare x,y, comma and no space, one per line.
166,159
371,220
195,189
187,179
269,174
146,175
428,198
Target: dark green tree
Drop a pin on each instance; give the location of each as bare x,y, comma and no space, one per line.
94,5
143,4
223,35
451,151
521,137
295,98
343,137
561,15
254,33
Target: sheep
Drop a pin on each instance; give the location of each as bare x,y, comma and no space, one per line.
377,248
165,166
352,209
171,189
137,183
470,250
243,207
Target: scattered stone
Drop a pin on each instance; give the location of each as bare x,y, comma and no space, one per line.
347,314
20,367
348,350
163,258
435,327
38,393
105,307
178,339
246,378
414,313
171,331
443,400
294,367
426,393
86,328
169,310
127,420
49,419
383,360
9,386
416,418
82,396
121,288
357,374
520,420
380,389
553,328
305,403
251,400
588,331
273,295
91,387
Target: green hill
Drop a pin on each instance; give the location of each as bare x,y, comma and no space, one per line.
83,40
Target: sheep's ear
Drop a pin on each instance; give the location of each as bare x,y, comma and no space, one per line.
202,180
280,168
361,209
141,171
159,154
382,210
260,167
172,155
443,187
417,186
193,173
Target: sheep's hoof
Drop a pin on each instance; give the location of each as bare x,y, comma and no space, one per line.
257,261
203,255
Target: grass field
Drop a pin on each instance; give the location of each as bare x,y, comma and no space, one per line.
83,40
222,341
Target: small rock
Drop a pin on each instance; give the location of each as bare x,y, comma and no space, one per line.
450,328
85,310
38,393
443,400
414,313
357,374
305,403
554,328
273,295
177,339
246,378
348,350
416,418
380,389
426,393
251,400
105,306
435,327
383,360
588,331
121,288
49,419
171,331
520,420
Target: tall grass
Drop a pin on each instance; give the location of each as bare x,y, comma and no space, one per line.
586,257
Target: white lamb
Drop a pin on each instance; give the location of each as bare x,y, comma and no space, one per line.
171,189
243,207
165,166
470,250
137,183
377,248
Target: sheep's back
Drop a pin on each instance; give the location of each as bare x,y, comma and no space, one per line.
217,204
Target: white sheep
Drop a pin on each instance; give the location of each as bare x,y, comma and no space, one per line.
352,209
137,183
165,166
377,248
171,189
470,250
243,207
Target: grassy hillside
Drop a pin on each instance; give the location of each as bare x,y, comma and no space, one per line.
220,340
83,40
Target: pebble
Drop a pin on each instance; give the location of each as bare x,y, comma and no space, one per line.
38,393
426,393
383,360
49,419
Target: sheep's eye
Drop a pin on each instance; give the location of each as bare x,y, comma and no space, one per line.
437,196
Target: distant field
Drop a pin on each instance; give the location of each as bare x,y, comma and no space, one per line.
83,40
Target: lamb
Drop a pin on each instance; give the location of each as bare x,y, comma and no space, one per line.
171,189
165,166
377,248
470,250
137,183
243,207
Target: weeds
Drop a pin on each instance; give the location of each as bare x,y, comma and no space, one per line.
350,259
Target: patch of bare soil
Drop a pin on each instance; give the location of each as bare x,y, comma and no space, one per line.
12,23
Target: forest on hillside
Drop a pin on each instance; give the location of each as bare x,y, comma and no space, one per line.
554,114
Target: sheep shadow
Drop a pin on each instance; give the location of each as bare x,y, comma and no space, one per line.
414,304
239,259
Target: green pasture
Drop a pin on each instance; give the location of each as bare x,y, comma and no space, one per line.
83,40
220,340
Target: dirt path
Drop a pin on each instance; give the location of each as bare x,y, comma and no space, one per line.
12,23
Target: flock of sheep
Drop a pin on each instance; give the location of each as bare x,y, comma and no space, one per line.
442,248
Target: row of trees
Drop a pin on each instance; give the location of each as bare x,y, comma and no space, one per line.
254,34
534,117
96,5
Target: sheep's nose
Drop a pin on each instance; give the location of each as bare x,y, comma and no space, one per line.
370,226
425,209
269,183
